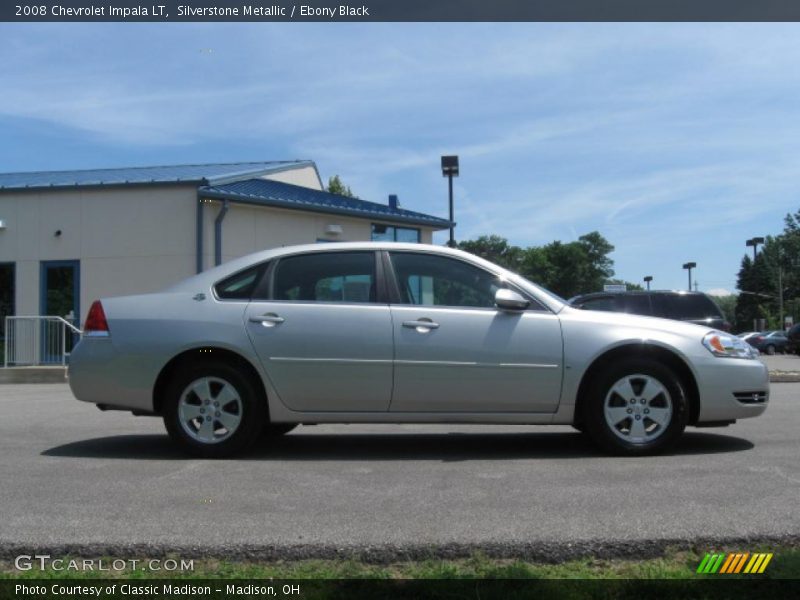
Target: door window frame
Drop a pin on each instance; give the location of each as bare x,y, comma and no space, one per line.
381,296
395,297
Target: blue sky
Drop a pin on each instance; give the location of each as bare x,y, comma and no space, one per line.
676,141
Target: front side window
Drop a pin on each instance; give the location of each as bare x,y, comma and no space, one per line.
326,277
429,280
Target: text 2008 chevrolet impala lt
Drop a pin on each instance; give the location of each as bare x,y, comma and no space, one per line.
401,333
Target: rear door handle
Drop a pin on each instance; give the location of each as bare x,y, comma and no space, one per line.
268,320
422,325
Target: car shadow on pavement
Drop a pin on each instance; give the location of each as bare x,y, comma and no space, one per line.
446,447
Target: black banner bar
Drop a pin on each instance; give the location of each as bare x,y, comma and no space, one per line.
396,589
397,10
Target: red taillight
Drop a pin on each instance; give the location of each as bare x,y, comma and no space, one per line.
96,319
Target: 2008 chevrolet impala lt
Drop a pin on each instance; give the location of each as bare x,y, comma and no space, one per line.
401,333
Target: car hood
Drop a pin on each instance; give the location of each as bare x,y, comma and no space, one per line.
655,324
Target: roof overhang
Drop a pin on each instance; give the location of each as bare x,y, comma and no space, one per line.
432,222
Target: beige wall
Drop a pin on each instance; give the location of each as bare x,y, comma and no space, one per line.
128,240
133,240
247,229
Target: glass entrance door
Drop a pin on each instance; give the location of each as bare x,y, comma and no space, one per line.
7,299
60,296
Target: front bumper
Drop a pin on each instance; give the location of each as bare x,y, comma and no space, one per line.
727,387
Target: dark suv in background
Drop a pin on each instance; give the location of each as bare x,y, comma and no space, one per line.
694,307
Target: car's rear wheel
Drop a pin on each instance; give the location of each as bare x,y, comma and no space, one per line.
212,410
770,349
635,407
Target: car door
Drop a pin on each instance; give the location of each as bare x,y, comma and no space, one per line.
322,337
455,351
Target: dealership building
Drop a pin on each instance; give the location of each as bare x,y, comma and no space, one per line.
69,237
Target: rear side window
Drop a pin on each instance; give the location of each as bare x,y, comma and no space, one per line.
689,306
326,277
239,286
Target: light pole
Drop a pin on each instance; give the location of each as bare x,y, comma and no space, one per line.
689,266
755,243
450,170
647,280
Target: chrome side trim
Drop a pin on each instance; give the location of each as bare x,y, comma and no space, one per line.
346,361
447,363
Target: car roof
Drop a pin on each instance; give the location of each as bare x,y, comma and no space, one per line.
637,293
215,274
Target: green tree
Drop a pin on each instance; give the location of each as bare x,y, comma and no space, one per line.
495,249
335,186
567,269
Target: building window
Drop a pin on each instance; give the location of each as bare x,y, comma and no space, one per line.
390,233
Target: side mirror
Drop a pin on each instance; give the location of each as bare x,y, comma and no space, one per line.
510,300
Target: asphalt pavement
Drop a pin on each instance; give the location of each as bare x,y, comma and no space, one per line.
80,481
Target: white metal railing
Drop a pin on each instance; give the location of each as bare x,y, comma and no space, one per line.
38,340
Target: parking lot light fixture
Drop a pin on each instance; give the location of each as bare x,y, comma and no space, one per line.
647,280
450,170
689,266
755,243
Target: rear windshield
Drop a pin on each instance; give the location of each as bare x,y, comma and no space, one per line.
689,306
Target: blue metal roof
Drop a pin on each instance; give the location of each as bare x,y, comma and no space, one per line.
284,195
201,174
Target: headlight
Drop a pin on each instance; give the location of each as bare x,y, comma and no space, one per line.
728,346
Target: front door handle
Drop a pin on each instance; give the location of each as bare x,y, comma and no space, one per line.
267,320
422,325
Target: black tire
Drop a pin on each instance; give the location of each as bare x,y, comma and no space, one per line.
594,406
770,349
252,417
277,429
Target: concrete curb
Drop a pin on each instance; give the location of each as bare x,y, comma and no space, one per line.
784,377
33,375
542,551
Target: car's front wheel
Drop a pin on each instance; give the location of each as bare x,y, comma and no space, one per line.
635,407
212,410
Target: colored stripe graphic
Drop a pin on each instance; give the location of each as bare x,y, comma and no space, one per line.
740,564
727,563
734,563
765,563
753,560
703,563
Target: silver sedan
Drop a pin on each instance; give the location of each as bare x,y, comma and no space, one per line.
401,333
